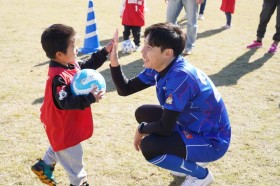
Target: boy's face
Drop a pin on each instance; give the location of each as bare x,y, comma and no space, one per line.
71,53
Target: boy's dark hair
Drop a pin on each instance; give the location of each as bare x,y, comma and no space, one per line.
166,35
56,38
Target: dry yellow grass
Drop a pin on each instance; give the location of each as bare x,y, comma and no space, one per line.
248,81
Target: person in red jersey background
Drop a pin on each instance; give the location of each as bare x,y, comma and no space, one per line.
228,7
132,14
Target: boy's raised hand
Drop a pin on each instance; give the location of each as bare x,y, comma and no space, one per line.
114,53
109,46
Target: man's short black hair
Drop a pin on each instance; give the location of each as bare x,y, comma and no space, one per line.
56,38
166,35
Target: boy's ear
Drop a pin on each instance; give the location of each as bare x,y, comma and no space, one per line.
58,55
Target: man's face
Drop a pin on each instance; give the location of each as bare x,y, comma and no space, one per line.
152,56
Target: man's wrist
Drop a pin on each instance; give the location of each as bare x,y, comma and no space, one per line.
140,127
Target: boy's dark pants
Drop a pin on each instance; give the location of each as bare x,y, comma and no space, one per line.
136,32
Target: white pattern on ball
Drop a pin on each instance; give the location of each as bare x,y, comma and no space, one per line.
128,46
85,80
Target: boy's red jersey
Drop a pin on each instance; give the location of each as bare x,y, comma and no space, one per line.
64,128
133,14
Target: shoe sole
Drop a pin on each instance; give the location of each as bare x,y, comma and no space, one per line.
43,178
255,47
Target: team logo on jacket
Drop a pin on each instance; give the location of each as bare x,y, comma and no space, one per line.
169,100
188,135
62,93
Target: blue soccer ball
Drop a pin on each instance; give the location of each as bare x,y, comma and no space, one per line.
85,80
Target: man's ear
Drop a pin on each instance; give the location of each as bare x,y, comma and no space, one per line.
168,52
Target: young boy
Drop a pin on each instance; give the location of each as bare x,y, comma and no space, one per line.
228,7
132,14
190,124
67,119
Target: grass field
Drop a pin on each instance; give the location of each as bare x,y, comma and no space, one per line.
248,80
